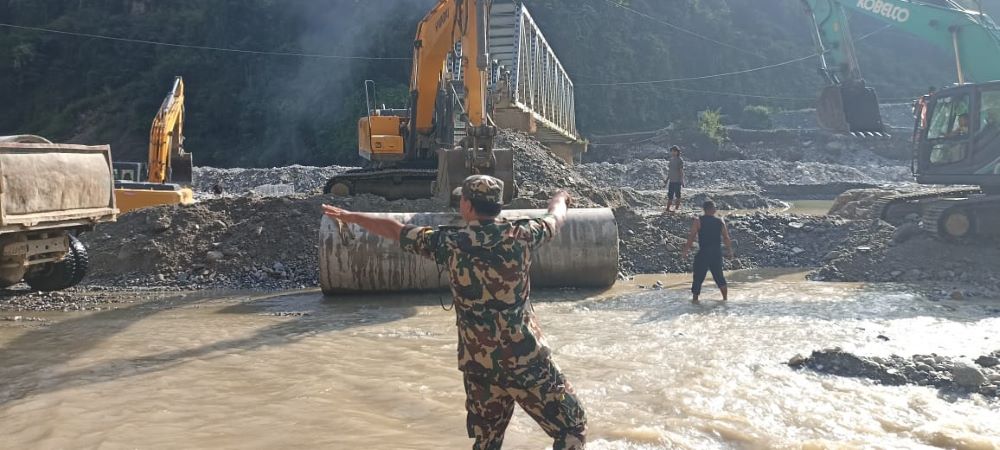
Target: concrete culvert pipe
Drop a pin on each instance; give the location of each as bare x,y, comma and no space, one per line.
583,254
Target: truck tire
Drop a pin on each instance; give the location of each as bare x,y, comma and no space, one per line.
63,274
81,260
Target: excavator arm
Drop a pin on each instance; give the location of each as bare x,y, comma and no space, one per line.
167,159
403,144
847,104
450,22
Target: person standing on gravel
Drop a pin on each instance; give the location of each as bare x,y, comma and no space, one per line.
711,233
501,351
675,178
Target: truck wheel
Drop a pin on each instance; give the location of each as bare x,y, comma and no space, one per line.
61,275
81,260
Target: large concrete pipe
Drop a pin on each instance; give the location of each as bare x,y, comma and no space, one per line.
583,254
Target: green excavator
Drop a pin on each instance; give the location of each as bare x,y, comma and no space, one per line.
956,130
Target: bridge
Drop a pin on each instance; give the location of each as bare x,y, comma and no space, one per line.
530,90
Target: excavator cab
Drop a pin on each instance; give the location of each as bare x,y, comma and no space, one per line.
850,108
960,141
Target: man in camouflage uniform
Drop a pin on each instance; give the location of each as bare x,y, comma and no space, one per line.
501,352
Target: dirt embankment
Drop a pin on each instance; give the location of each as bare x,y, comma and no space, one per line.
877,251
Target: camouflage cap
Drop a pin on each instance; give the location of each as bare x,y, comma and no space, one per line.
484,188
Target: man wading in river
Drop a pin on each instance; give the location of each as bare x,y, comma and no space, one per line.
500,348
711,232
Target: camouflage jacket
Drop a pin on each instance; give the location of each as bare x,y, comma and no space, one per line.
487,265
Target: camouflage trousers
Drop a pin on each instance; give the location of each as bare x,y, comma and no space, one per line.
541,390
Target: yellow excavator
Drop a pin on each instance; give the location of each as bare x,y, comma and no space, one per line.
169,168
412,152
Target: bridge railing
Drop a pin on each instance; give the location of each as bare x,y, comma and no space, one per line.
538,82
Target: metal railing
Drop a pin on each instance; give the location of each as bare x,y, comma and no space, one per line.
538,83
526,75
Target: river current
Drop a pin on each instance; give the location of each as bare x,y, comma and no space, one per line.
654,371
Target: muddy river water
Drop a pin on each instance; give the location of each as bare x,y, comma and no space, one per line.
654,371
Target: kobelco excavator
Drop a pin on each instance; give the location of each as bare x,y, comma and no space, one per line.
412,151
957,129
169,167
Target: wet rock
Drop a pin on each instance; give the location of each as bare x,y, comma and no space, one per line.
956,295
837,362
967,376
988,361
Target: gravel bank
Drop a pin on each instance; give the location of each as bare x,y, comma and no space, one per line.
283,180
737,175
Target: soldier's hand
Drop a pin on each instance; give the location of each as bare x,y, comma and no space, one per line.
565,196
336,213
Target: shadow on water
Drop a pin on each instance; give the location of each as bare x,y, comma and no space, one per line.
64,340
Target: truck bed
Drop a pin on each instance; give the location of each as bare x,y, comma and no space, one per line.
45,185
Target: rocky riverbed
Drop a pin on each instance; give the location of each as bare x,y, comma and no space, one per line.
952,376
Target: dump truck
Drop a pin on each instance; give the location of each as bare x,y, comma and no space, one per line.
50,193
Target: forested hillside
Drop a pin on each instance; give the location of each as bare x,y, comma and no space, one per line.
253,109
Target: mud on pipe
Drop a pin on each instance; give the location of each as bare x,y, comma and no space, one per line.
583,254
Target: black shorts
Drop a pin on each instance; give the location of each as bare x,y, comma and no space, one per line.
674,190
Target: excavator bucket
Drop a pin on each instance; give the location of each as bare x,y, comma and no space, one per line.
849,109
182,169
453,168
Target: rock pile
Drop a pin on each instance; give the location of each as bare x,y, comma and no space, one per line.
242,243
738,175
875,250
951,376
235,182
538,173
884,253
654,244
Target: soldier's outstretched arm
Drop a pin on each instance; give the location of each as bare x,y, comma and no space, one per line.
386,228
558,206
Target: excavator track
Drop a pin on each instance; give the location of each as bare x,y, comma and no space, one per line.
961,218
895,208
392,184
